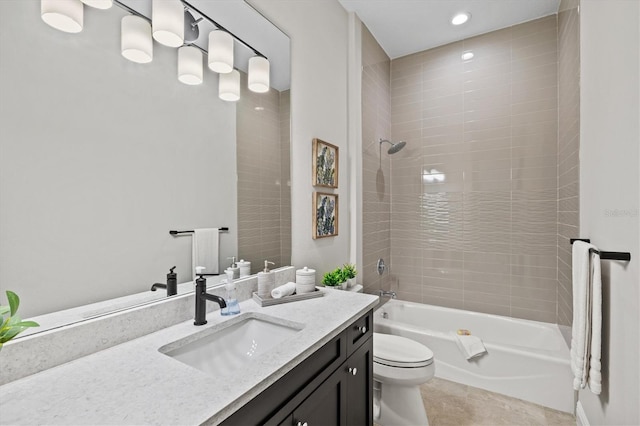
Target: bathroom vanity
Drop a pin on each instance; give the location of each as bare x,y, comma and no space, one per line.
332,387
321,371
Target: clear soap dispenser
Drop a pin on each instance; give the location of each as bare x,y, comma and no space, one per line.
233,307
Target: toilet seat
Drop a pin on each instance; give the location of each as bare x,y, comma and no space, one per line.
398,351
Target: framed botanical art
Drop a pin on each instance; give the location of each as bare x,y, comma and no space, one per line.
325,215
325,164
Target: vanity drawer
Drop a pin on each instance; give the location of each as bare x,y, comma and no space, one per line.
359,332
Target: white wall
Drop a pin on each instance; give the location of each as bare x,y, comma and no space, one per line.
610,194
99,159
319,46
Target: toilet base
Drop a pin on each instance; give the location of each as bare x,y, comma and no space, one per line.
399,405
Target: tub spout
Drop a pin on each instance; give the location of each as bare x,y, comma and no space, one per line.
388,293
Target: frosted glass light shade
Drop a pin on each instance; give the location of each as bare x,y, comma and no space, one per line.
229,86
258,74
167,17
190,65
99,4
136,43
63,15
220,52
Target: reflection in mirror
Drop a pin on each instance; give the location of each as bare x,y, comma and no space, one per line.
100,157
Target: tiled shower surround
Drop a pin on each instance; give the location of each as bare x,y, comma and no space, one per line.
376,196
568,145
264,196
474,194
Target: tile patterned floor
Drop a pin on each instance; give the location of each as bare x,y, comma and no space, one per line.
450,403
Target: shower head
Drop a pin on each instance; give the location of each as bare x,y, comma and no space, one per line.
395,147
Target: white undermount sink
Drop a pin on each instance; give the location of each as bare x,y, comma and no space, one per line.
219,351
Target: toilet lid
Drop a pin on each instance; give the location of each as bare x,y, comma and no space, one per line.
397,351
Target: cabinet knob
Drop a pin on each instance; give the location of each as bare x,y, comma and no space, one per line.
353,371
302,424
362,329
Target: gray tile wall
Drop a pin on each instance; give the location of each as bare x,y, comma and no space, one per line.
376,124
285,177
474,208
264,200
568,149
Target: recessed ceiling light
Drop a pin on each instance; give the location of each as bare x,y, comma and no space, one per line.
467,55
461,18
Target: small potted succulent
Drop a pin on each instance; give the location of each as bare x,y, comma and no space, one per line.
333,279
12,325
349,272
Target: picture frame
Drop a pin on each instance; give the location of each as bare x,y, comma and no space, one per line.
325,164
325,215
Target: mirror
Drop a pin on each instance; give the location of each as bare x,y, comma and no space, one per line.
100,157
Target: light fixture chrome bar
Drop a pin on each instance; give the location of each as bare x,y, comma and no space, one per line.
131,11
220,27
202,16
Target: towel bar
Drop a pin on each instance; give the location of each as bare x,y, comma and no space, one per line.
606,255
222,229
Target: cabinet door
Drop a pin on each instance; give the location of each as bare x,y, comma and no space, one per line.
325,406
359,369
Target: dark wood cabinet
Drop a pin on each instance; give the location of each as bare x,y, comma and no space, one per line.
333,386
359,369
327,405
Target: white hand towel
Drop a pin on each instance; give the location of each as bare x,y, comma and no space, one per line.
586,338
205,246
284,290
470,346
595,366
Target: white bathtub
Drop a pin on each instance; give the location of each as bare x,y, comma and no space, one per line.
526,359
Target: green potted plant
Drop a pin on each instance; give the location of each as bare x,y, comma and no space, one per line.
332,279
349,272
12,325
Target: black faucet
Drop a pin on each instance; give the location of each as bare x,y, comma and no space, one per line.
201,301
171,285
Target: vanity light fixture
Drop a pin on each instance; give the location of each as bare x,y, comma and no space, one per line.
99,4
461,18
167,20
136,43
63,15
190,65
171,24
258,78
220,51
229,86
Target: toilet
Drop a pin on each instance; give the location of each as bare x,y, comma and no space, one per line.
400,366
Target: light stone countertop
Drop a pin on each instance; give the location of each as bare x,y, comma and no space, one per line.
133,383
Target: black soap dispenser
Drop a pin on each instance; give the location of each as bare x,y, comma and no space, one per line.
172,282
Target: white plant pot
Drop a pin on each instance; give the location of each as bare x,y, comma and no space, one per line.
344,285
351,282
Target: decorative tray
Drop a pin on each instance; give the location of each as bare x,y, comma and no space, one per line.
293,298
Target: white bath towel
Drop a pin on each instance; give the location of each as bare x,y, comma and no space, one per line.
205,246
470,346
586,328
284,290
595,366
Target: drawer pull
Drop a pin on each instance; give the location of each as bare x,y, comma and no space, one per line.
302,424
353,371
362,329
